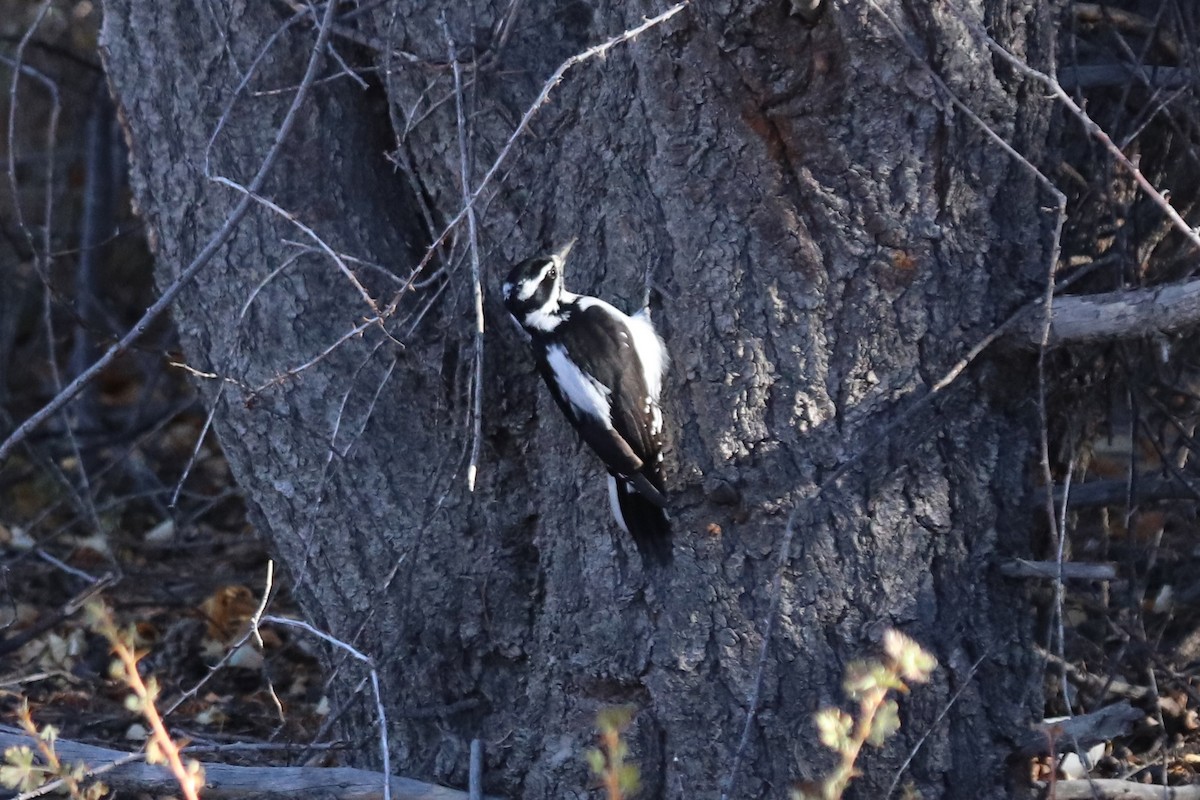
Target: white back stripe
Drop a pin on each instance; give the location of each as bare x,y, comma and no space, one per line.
585,394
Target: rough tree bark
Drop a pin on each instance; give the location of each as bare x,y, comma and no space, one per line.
828,239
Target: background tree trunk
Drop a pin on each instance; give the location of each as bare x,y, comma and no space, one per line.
828,239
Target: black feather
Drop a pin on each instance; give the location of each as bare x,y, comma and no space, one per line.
598,341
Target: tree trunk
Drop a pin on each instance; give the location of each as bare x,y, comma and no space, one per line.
827,238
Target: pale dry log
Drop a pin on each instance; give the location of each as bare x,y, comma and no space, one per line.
1117,492
1113,789
1024,568
229,781
1128,314
1081,731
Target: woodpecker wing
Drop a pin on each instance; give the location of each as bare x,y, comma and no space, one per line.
594,372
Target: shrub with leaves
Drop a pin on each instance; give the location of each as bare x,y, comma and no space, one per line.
23,773
867,683
608,760
160,749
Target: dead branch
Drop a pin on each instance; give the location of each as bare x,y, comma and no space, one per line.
1091,76
1129,314
1081,731
464,164
596,51
1117,492
228,781
1093,129
1113,789
1024,568
1098,683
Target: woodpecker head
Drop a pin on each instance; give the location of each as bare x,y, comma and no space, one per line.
534,288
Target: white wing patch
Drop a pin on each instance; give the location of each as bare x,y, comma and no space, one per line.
585,394
650,350
646,342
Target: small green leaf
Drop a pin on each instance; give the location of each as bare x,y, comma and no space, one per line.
864,677
833,727
614,718
885,723
595,760
629,779
20,773
860,678
911,661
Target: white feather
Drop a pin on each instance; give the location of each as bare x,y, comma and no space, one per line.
530,286
646,342
585,394
651,351
546,318
615,504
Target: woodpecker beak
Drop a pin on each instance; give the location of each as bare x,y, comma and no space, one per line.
561,255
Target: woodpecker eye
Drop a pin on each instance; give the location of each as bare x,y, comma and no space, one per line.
553,273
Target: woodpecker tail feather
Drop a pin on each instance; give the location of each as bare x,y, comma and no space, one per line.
643,518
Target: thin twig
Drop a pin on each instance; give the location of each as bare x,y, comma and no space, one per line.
41,246
543,96
231,650
1089,125
352,651
475,772
1060,582
292,372
464,162
966,683
20,69
187,775
310,233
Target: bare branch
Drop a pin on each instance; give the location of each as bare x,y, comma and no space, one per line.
543,96
1082,730
464,161
1053,570
384,749
1114,789
1093,129
1117,492
1127,314
228,781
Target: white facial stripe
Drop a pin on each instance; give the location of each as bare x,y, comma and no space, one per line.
531,286
585,394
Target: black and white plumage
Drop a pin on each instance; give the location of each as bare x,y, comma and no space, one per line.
605,371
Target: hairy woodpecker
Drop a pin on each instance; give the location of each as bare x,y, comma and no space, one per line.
605,371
